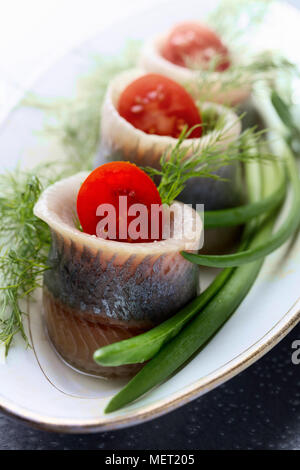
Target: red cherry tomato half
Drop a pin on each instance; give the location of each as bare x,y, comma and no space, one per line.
195,45
157,105
104,186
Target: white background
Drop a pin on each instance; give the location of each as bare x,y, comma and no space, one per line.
34,32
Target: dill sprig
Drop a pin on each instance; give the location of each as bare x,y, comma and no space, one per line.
76,122
181,163
24,244
265,66
24,241
235,20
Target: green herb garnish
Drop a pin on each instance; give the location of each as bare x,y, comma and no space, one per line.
181,163
25,241
77,121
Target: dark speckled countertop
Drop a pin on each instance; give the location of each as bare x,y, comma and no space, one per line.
258,409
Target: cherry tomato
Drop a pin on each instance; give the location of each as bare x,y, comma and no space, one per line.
157,105
104,186
195,45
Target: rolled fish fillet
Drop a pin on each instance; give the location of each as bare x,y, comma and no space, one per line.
209,85
120,140
99,291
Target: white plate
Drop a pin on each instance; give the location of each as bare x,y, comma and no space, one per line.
35,385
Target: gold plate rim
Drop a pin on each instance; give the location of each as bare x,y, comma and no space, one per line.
180,398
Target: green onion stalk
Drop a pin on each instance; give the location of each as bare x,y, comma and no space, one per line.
288,227
198,331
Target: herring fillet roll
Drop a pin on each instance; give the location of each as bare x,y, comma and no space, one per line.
100,291
208,86
122,141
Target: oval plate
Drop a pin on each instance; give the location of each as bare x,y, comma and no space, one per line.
36,386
